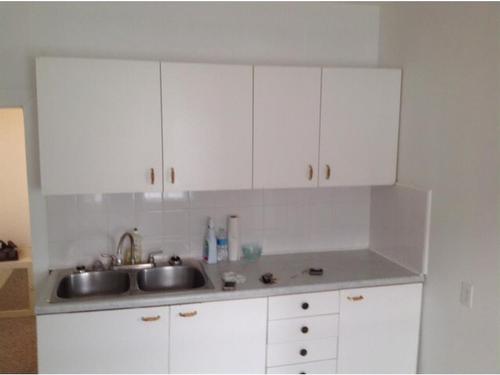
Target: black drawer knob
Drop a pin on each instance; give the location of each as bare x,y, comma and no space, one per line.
303,352
304,329
302,372
305,306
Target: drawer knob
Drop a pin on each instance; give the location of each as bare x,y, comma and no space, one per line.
305,306
304,329
303,352
302,372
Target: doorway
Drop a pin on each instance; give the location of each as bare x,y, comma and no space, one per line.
17,321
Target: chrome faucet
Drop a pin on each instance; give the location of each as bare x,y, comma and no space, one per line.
119,252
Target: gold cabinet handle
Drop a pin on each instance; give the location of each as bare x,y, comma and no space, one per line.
328,172
172,175
355,298
150,318
188,314
311,172
152,176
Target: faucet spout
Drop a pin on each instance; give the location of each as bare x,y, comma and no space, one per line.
119,252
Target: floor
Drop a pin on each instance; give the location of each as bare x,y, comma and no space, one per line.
18,345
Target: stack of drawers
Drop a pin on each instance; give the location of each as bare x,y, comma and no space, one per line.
302,333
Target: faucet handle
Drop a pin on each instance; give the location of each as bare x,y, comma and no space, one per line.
175,260
114,260
153,255
98,266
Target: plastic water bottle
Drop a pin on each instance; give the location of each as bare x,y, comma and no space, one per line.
222,249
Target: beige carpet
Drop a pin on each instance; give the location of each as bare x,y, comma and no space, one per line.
18,345
14,291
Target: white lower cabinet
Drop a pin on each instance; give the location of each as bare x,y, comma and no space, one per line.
368,330
114,341
301,351
379,329
320,367
219,337
302,333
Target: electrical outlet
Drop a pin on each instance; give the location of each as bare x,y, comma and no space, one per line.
466,294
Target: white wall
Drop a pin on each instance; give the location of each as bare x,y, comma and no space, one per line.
14,204
450,59
231,32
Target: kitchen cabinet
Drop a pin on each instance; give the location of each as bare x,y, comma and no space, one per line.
302,333
366,330
286,126
99,125
379,329
116,341
108,126
207,126
219,337
319,367
359,126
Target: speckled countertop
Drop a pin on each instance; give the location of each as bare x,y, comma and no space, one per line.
342,270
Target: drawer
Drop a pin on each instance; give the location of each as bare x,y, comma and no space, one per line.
304,328
321,367
297,305
301,351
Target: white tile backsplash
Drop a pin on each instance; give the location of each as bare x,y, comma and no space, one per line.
150,223
283,220
400,221
62,218
148,201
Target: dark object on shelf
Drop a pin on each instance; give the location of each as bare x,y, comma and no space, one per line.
8,251
316,271
268,278
229,285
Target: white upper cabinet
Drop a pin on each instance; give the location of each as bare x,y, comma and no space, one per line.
207,126
286,126
99,125
379,329
359,126
109,126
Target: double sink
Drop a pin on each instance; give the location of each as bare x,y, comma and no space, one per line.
129,281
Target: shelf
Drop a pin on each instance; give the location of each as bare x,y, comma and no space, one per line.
23,262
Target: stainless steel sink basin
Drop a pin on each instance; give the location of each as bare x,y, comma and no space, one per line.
170,278
89,284
129,281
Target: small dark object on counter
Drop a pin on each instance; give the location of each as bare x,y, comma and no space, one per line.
8,251
229,285
80,269
268,278
175,260
316,271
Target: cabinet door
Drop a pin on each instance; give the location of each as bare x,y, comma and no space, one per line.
117,341
207,126
219,337
359,126
286,126
99,125
379,329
